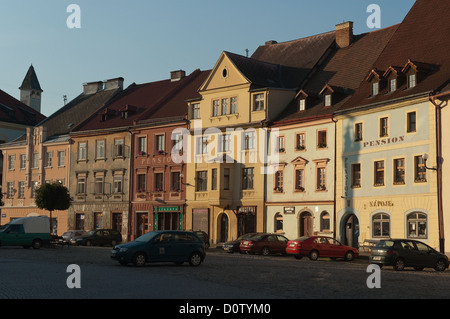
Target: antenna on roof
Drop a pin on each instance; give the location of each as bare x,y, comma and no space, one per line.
246,52
65,99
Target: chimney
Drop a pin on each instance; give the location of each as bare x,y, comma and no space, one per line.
113,84
177,75
270,42
344,34
92,87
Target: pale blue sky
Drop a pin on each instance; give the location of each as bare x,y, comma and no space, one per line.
143,40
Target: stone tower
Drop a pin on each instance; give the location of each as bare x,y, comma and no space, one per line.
30,90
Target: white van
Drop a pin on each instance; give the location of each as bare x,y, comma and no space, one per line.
33,231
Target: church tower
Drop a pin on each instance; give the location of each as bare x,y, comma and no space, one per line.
30,90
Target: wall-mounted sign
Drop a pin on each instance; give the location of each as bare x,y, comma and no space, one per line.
289,210
385,141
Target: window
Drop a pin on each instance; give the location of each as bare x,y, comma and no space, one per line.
48,159
321,179
258,102
411,122
10,190
299,180
82,151
118,148
100,149
417,225
224,106
177,142
21,189
381,225
358,132
142,145
247,178
159,182
321,139
226,178
399,171
34,185
325,222
118,184
196,111
379,173
375,88
98,184
23,161
202,145
11,161
159,144
216,108
420,172
281,144
233,105
61,157
225,143
176,181
393,85
383,127
249,140
302,105
35,160
202,181
412,80
140,181
278,181
327,100
300,143
81,185
214,179
356,175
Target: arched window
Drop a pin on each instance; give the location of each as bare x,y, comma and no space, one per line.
381,225
324,221
417,225
278,222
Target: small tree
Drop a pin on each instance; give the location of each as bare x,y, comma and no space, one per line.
52,197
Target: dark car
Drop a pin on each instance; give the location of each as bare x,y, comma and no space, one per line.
265,244
320,246
233,245
99,237
203,236
161,246
401,253
71,235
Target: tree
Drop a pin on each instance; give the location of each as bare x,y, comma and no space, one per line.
52,197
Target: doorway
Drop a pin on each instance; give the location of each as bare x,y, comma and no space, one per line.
223,228
351,231
305,224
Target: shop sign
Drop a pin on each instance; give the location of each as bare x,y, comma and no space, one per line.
383,142
289,210
381,203
167,208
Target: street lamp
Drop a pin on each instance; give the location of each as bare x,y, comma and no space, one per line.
425,158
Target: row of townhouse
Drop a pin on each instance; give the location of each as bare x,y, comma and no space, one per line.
336,134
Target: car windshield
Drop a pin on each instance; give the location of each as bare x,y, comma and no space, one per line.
146,237
385,244
91,232
245,236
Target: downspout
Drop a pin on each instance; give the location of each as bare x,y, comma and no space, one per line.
130,235
438,108
335,172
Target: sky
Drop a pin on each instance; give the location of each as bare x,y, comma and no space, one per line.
144,40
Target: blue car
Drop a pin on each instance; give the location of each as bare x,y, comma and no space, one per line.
161,246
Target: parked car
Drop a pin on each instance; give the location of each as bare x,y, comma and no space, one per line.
233,245
203,236
70,235
161,246
320,246
32,231
99,237
265,244
401,253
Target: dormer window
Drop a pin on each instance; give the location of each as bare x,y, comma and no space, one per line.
416,71
412,80
392,85
376,80
327,100
302,105
375,88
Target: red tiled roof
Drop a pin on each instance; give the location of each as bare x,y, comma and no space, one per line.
421,38
140,100
14,111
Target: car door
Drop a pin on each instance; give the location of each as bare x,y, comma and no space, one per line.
183,246
282,243
161,248
336,250
409,252
322,246
425,255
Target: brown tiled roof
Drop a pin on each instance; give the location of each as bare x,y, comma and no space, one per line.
421,38
342,72
14,111
142,100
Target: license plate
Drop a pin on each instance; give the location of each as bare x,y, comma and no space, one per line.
376,258
291,245
246,242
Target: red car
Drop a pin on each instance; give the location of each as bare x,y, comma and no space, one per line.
265,244
320,246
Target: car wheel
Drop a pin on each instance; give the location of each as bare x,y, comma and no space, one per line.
265,251
314,255
399,264
88,243
349,256
441,265
139,259
37,243
195,259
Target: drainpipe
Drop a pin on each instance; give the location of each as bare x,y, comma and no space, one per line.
335,172
438,108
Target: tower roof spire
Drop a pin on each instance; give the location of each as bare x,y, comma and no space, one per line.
30,81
